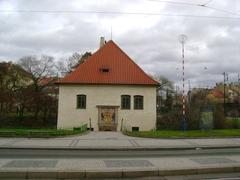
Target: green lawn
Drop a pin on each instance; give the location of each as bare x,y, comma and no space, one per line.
186,134
39,133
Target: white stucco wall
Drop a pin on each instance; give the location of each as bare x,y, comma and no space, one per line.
110,95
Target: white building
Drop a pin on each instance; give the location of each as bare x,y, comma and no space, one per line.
108,92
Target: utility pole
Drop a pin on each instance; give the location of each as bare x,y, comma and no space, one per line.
189,92
225,78
238,78
238,86
182,40
176,93
189,85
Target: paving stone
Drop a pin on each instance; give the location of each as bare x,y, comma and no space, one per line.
43,143
216,142
213,160
103,143
162,143
128,163
30,163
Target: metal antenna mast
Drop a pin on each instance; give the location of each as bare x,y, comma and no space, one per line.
182,40
111,32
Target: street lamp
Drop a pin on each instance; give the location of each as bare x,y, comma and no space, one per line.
182,40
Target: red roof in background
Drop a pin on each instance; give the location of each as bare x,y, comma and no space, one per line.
47,80
216,93
122,69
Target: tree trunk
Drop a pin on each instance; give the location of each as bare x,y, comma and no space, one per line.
21,111
45,116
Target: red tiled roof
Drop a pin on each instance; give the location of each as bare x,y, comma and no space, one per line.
122,69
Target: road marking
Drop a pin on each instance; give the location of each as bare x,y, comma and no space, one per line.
74,143
133,142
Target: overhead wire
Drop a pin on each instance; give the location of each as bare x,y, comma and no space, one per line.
208,2
115,12
221,10
174,2
134,13
204,5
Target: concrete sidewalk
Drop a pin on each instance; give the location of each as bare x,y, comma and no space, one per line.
116,168
116,140
79,168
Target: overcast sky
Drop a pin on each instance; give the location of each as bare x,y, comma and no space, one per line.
152,41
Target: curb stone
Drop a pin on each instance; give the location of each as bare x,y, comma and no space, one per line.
42,174
71,174
104,174
112,173
140,173
13,174
176,172
216,170
121,148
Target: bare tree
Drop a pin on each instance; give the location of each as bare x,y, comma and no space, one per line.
165,92
165,83
65,66
39,69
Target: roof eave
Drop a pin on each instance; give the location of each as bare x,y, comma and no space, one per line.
77,83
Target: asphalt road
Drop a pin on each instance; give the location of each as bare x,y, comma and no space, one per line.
94,154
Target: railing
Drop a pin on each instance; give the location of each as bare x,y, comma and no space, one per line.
81,128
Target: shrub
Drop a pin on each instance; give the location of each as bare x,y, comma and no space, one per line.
171,121
193,117
218,117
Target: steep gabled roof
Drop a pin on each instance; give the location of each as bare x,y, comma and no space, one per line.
109,65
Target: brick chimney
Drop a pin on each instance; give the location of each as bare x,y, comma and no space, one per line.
102,41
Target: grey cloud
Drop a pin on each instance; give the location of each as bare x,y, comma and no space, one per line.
212,43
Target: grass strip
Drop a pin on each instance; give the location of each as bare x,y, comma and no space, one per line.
39,133
186,134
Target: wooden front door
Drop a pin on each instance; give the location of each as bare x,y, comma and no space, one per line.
107,118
